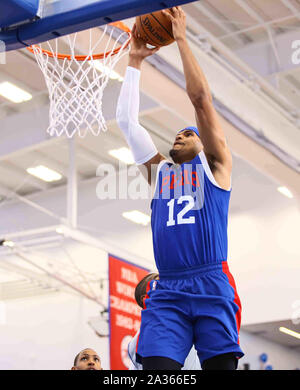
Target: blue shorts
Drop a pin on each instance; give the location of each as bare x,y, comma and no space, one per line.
197,306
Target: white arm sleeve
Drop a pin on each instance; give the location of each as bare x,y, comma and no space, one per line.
138,139
134,365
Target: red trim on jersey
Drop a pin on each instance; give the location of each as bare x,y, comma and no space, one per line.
146,296
236,297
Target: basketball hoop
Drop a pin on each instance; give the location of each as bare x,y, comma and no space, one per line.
76,82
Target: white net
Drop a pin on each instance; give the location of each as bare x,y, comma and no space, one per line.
76,83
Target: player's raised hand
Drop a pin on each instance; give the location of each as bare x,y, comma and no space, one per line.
139,49
178,19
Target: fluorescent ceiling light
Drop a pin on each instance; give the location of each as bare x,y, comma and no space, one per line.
289,332
113,75
59,230
8,243
285,191
137,217
14,93
44,173
122,154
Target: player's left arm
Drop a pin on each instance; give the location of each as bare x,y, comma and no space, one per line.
208,122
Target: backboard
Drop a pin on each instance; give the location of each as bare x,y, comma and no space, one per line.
56,18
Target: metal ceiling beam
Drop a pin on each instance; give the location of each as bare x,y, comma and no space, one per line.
23,177
65,281
16,141
293,87
50,162
260,25
243,4
32,232
68,273
89,155
157,131
13,195
240,68
250,11
214,18
88,239
291,7
12,267
259,56
72,186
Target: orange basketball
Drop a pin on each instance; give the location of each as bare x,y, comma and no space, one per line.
155,29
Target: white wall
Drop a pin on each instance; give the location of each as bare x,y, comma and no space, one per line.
46,333
279,357
265,261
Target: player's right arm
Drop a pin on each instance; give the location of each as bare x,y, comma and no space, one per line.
137,137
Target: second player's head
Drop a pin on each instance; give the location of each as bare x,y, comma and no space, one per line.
141,288
87,359
186,146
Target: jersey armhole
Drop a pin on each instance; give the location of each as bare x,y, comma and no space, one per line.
209,173
153,188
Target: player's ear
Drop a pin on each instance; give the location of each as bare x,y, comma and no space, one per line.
74,368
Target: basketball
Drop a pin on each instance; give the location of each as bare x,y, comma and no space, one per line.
155,29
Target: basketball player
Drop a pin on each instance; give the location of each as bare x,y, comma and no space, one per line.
195,299
87,360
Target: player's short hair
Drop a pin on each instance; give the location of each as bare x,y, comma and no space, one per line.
77,356
76,359
141,288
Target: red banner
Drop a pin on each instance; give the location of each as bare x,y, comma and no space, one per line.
124,313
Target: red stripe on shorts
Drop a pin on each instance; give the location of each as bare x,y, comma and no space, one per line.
236,297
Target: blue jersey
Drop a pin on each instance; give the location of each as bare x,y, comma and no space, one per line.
189,216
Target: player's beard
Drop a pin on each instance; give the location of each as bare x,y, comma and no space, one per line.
180,156
173,153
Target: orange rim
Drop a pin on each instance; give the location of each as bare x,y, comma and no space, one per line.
100,56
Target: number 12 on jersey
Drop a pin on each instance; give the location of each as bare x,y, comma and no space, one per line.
180,216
